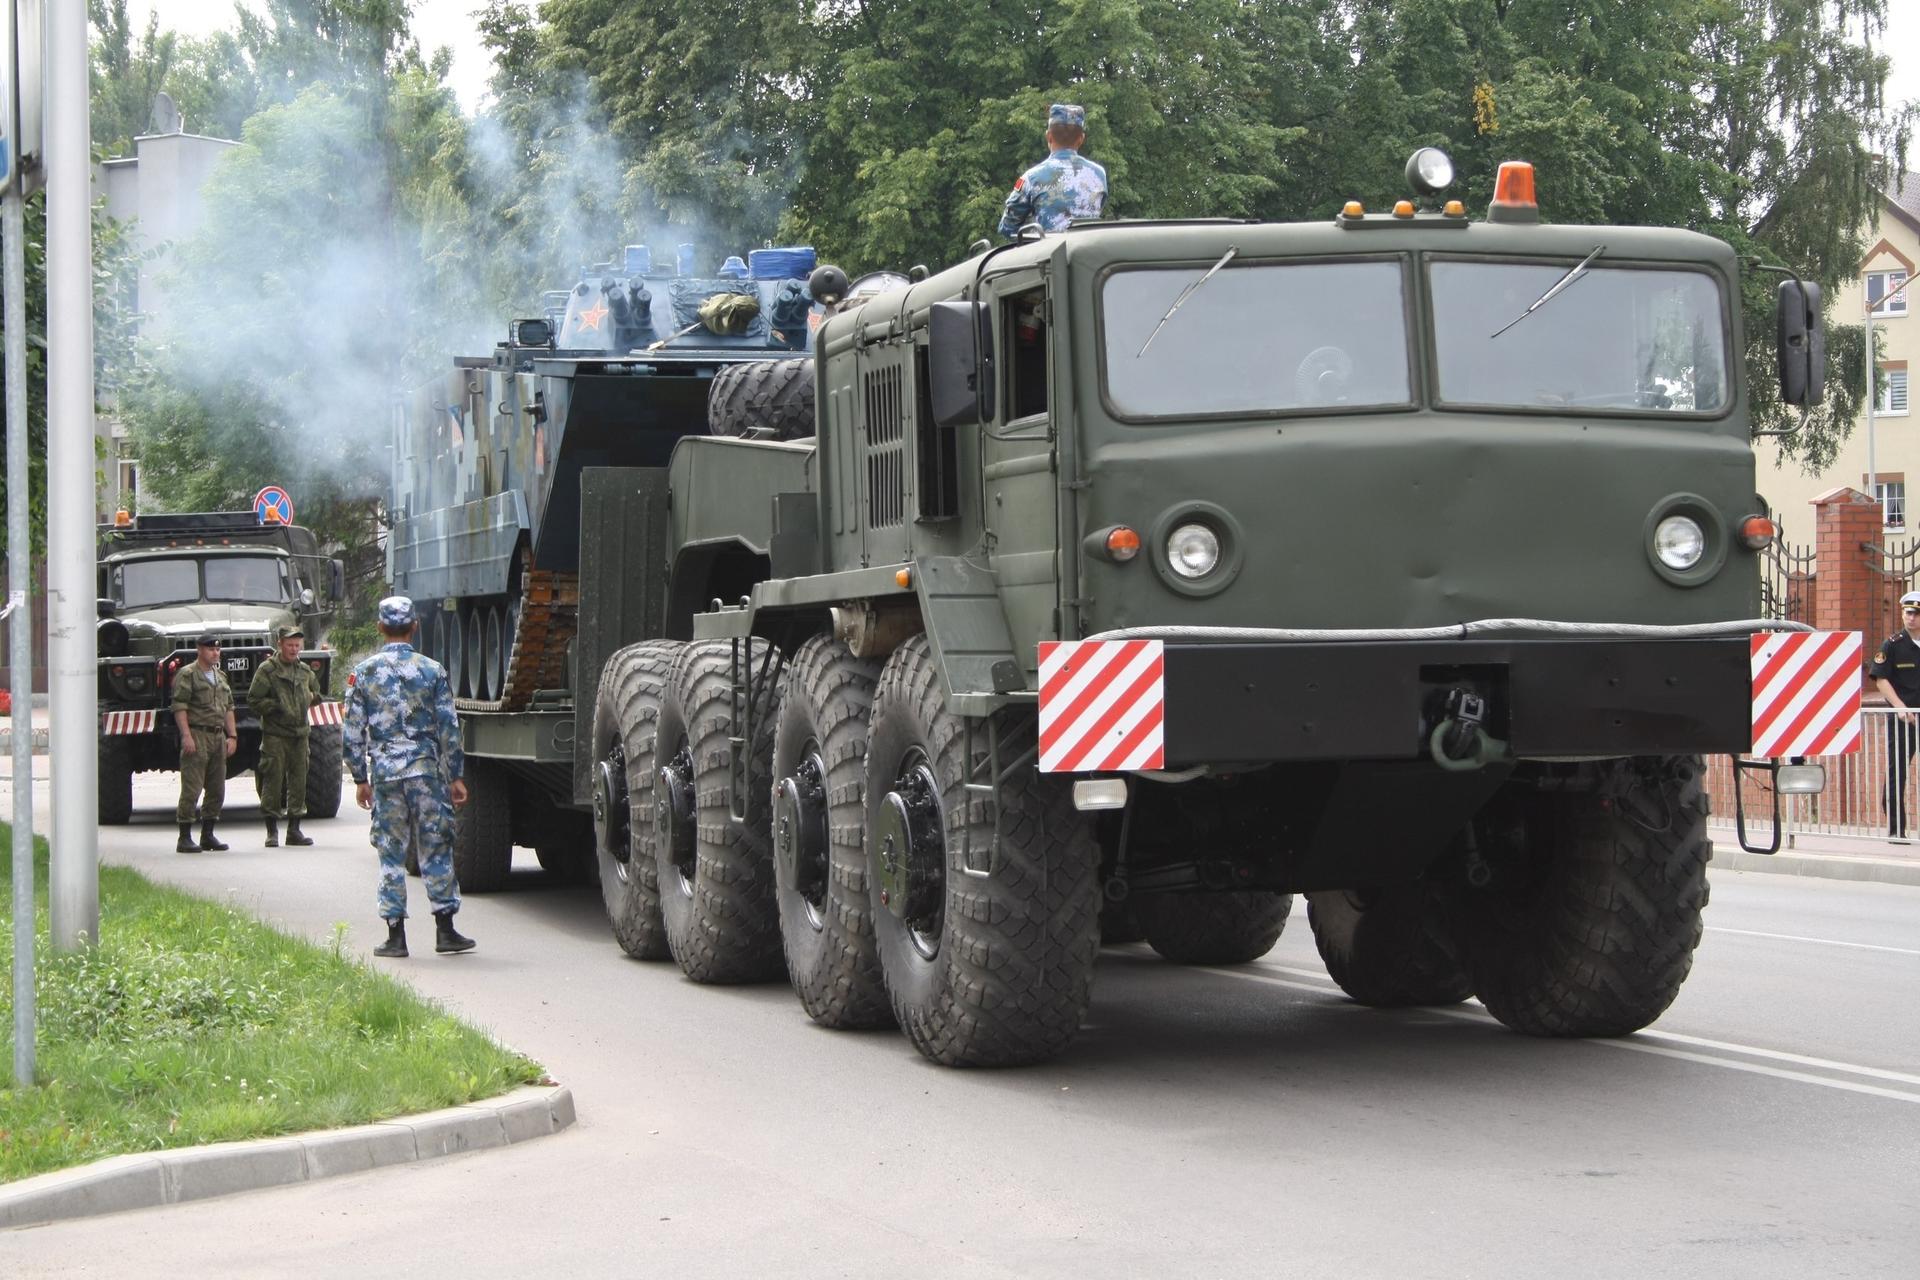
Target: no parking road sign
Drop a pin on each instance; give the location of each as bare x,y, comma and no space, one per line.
272,506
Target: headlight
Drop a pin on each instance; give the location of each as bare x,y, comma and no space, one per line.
1193,550
1679,541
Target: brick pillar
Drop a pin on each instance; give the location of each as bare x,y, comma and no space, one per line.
1849,592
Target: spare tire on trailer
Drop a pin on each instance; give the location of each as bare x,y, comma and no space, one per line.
763,398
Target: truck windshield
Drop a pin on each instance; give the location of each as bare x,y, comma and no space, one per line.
144,582
1616,340
1256,338
256,578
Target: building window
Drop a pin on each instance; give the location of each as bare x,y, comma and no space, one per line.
1890,390
1882,283
130,483
1893,502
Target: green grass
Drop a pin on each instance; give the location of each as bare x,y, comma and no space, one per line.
191,1022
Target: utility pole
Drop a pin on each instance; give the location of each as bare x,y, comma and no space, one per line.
22,81
73,714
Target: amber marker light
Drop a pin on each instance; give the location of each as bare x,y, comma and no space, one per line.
1757,531
1514,187
1123,544
1354,209
1403,209
1455,209
121,518
903,577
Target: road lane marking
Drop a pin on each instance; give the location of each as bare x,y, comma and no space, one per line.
1825,942
1480,1017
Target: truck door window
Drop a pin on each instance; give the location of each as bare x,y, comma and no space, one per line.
1026,330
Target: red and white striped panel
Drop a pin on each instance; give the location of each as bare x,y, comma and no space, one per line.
1102,704
119,723
324,713
1806,693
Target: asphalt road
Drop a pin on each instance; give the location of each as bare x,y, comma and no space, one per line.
1206,1123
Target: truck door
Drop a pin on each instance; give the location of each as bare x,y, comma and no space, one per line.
1017,464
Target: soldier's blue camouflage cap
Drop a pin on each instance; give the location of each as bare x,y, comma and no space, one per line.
1068,114
396,612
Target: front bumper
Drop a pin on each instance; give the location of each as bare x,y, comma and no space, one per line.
1257,703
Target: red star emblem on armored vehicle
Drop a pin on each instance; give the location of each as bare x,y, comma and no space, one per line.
593,315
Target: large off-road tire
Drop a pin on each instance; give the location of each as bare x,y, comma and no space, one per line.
819,835
625,716
763,396
116,782
1390,948
716,875
325,771
1120,922
565,847
483,829
982,970
1235,927
1589,925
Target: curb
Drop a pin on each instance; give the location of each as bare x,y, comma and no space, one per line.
143,1181
1818,866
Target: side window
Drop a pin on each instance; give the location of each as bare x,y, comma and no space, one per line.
1024,317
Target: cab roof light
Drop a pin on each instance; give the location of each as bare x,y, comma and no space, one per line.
1513,196
1353,209
122,518
1455,209
1403,209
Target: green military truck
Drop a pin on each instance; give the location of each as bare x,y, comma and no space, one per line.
1142,576
165,580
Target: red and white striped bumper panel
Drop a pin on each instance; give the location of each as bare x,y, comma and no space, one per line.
1806,693
1102,705
120,723
324,713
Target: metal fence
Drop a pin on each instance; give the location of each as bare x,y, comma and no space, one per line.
1855,801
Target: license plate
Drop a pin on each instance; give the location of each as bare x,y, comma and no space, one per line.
238,664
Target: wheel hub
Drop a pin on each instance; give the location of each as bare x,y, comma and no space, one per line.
800,841
673,816
910,854
610,813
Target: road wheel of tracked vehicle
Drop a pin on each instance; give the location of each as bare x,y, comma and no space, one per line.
1235,927
483,829
982,970
716,875
626,773
763,397
476,663
456,653
496,658
1390,948
116,781
325,771
1589,923
819,827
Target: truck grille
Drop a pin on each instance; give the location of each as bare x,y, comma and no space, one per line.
886,450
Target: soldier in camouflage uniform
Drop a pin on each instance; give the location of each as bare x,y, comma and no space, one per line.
283,690
403,748
203,712
1062,188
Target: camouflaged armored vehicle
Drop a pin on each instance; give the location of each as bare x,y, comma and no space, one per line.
165,580
1141,577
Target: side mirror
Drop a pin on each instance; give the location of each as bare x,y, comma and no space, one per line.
105,608
337,580
1802,343
960,362
306,596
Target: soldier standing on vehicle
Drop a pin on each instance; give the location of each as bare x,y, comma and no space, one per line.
403,749
283,690
203,712
1896,673
1062,188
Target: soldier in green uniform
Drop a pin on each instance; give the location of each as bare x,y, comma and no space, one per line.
283,689
203,712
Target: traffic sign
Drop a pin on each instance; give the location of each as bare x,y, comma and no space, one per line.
273,499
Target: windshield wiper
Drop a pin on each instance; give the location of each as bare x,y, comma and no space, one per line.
1580,269
1186,293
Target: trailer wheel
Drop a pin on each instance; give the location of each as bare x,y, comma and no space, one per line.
483,829
1589,925
763,397
1390,948
991,969
116,781
819,828
625,773
1233,927
716,875
325,771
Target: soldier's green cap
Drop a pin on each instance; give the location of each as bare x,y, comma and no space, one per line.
285,632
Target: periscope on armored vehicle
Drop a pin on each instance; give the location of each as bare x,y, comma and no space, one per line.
909,638
164,581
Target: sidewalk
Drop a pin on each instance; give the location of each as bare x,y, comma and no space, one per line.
1822,856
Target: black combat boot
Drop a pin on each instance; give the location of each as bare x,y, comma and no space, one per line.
448,941
396,944
207,843
186,844
273,832
294,835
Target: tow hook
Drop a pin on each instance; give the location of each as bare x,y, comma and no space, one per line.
1460,742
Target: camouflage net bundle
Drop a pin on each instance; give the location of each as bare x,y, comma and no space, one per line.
729,314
